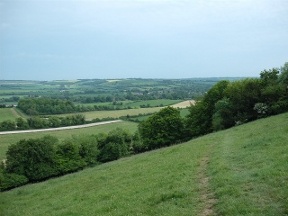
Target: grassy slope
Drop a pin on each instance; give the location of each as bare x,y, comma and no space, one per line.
6,140
8,114
245,169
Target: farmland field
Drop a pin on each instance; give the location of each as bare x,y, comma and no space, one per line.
6,140
136,104
91,91
184,104
8,114
116,113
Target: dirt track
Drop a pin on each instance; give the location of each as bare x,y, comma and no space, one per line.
59,128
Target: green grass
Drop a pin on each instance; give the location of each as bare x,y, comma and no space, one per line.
184,112
136,104
249,168
116,113
246,168
160,102
8,114
6,140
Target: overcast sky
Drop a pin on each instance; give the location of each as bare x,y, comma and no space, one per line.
71,39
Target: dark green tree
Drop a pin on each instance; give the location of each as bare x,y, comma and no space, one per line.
21,124
243,95
283,77
33,158
223,115
117,144
199,119
163,128
7,125
88,148
68,157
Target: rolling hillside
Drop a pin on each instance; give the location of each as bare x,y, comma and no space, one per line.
240,171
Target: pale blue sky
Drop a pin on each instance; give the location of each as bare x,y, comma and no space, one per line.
71,39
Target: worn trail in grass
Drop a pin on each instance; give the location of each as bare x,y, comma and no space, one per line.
207,196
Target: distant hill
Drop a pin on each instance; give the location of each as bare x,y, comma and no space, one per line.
239,171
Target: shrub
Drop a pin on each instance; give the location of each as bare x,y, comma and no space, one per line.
162,128
11,180
33,158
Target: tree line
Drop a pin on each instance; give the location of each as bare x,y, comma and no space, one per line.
50,106
37,122
228,104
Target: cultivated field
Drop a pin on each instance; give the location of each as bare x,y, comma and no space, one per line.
239,171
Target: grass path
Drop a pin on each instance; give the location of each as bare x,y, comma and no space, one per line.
19,113
15,113
207,196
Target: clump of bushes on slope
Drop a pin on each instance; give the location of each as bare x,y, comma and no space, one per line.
35,160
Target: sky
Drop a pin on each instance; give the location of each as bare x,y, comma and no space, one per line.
108,39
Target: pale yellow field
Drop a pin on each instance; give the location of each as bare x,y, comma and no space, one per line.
184,104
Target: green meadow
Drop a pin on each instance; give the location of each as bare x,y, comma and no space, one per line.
239,171
8,114
136,104
116,113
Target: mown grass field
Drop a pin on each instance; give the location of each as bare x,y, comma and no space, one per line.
240,171
116,113
6,140
8,114
136,104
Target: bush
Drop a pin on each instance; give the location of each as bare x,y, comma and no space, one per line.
163,128
68,157
115,145
11,180
33,158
